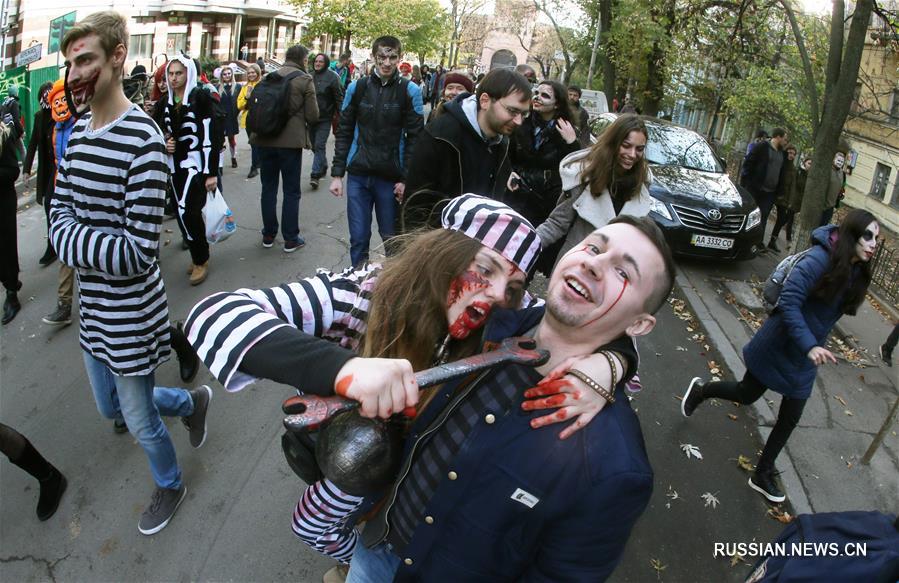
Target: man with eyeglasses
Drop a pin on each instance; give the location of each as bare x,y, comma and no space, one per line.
466,150
380,121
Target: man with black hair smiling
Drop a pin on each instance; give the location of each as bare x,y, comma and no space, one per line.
467,150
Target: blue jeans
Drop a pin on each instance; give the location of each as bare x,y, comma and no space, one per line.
363,193
320,133
140,404
286,162
374,565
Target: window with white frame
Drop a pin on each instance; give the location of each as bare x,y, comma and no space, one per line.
140,46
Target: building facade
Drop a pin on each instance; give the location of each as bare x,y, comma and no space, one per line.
210,29
872,130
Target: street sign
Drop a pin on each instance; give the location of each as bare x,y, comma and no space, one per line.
58,28
29,55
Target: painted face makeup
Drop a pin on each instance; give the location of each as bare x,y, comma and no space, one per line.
386,58
838,160
473,314
866,246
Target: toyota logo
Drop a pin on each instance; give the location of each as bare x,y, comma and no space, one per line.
714,215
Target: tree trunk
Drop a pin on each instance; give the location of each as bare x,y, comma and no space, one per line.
608,67
842,72
657,66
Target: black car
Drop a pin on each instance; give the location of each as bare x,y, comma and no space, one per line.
701,211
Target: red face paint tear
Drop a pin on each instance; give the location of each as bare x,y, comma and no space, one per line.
624,287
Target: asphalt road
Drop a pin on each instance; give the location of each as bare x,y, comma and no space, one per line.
235,523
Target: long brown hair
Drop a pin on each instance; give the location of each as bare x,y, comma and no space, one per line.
407,315
601,166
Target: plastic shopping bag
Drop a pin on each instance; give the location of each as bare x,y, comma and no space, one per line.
218,217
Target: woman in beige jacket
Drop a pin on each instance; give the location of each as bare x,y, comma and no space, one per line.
598,184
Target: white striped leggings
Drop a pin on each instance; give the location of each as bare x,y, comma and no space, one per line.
321,520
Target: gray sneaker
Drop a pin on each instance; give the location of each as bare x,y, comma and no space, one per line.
61,317
196,421
161,509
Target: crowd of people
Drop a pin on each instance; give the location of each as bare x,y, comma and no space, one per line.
502,181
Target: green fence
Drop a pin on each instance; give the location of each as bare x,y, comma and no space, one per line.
28,82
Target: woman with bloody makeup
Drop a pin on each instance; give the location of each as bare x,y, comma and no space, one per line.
423,306
609,179
829,280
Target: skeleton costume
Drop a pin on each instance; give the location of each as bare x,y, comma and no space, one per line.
192,124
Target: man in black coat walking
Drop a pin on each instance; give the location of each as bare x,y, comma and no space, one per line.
42,144
763,172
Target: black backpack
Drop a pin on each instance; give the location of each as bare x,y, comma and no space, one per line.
269,105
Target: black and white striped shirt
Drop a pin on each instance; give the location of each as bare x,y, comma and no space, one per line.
105,221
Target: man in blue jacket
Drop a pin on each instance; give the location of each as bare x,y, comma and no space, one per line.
482,496
380,119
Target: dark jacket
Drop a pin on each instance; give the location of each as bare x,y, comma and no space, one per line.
798,190
539,169
452,158
589,490
41,143
755,168
9,164
777,354
303,110
788,181
328,93
12,107
832,532
376,137
228,100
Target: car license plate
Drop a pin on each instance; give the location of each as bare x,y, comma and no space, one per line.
711,242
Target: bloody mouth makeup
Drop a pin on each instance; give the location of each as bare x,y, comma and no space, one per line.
83,90
475,313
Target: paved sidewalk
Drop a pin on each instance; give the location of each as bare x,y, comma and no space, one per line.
821,469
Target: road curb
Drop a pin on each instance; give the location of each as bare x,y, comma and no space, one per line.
789,476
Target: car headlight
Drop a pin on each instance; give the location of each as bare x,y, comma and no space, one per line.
658,207
755,217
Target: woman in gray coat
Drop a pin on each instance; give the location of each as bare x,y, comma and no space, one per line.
598,184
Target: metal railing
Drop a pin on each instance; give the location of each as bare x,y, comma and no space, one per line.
885,273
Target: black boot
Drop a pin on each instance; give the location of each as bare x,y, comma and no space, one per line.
188,361
11,306
48,257
52,482
253,172
772,244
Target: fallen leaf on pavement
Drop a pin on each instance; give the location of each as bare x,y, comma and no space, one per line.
168,230
681,349
691,450
658,566
848,412
780,515
744,463
167,242
710,500
732,416
841,400
737,559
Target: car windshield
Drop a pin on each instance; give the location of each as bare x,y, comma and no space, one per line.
673,146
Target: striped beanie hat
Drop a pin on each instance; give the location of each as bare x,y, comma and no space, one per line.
496,226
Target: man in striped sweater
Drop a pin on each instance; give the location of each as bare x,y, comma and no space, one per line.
105,220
